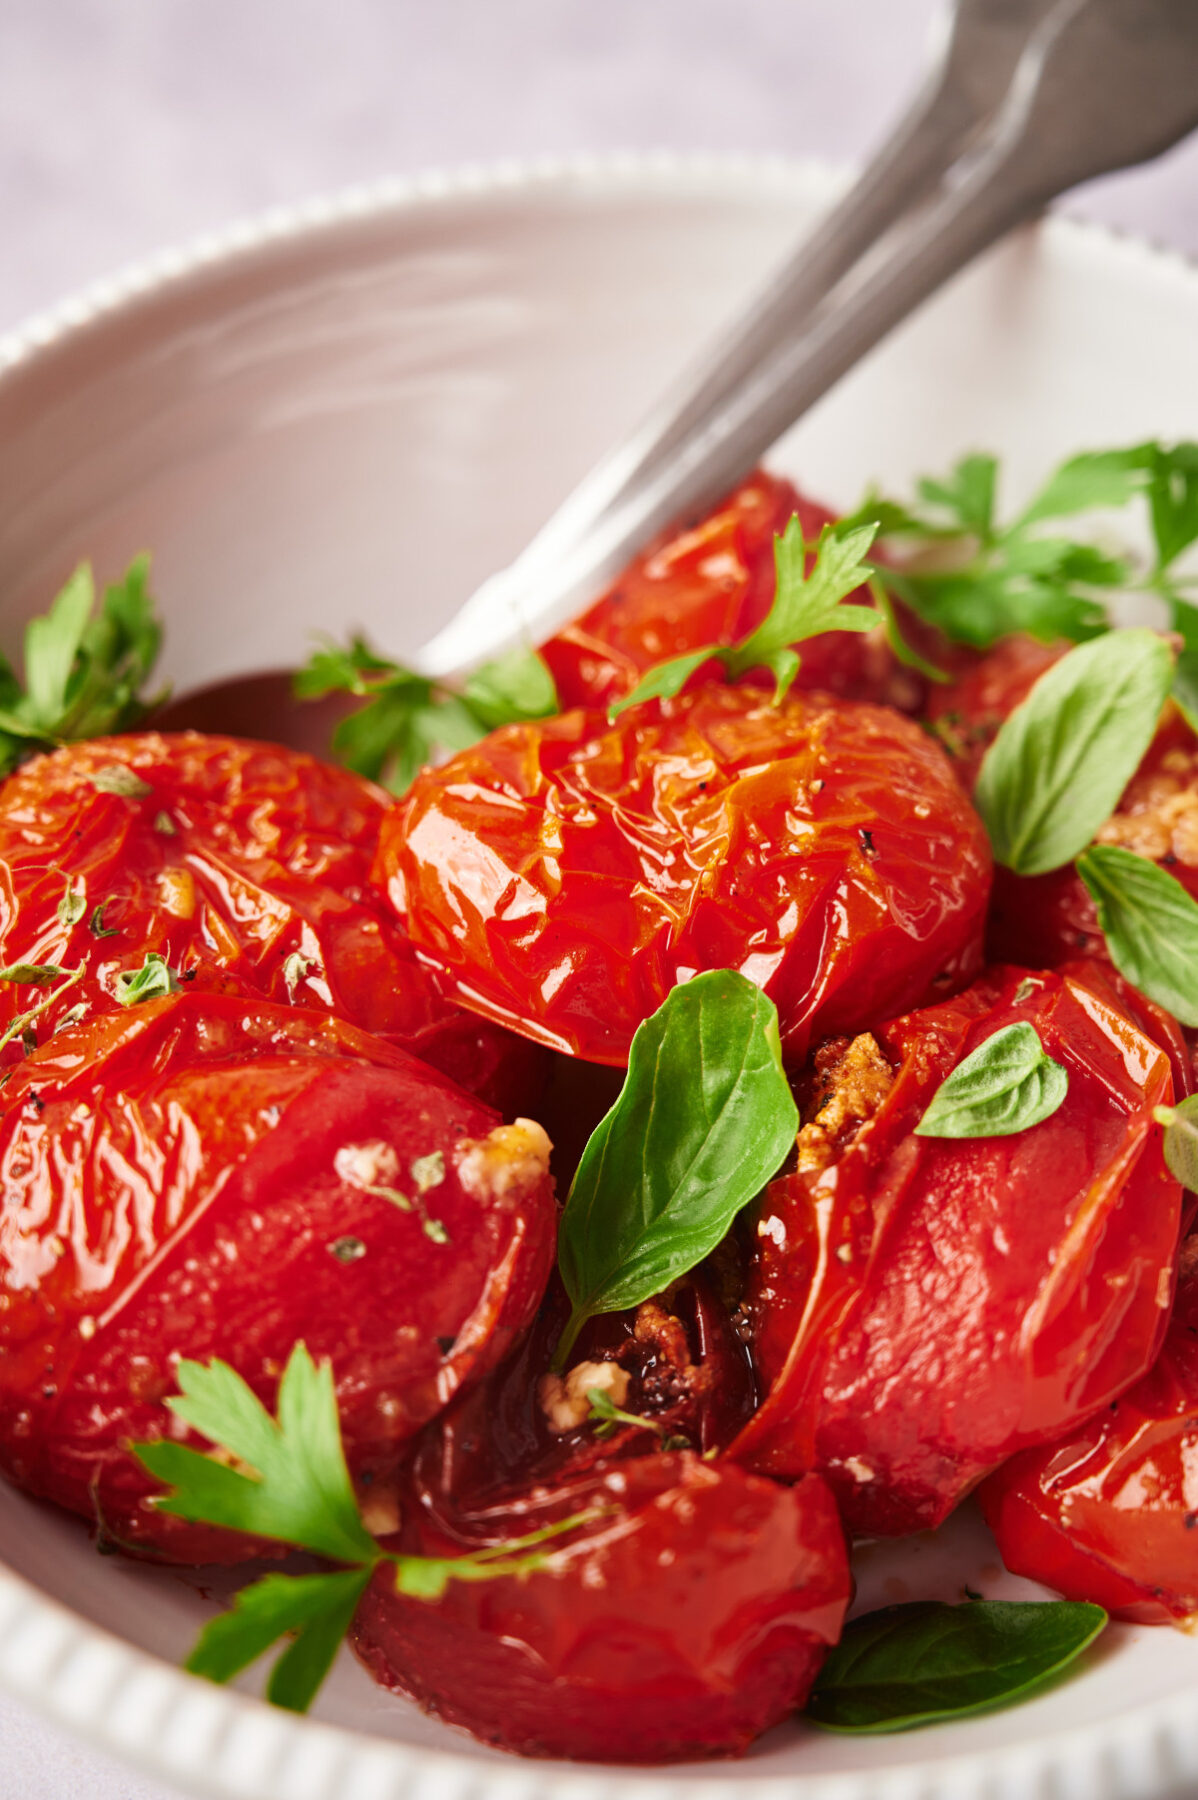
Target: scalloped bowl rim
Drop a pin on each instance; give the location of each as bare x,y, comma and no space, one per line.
178,1728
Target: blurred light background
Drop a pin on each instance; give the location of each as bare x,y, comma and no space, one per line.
126,125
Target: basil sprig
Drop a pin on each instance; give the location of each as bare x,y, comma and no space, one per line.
1150,924
405,718
704,1119
914,1664
1055,772
1181,1139
1007,1084
805,604
295,1489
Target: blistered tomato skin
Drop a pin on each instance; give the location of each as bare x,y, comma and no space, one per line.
564,876
687,1617
712,583
925,1307
208,1176
1110,1513
244,865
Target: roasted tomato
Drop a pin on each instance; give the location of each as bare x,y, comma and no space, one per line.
713,583
565,875
208,1176
245,866
923,1307
1110,1513
966,714
687,1615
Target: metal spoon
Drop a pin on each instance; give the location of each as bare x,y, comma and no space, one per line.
1025,99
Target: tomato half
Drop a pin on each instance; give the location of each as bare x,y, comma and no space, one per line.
565,875
712,582
244,865
1110,1513
923,1307
209,1176
690,1613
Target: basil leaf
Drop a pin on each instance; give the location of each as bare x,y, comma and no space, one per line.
1007,1084
704,1119
1055,772
1181,1139
910,1665
1150,924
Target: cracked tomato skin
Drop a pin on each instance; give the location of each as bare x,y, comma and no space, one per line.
192,1178
924,1307
565,875
687,1618
1110,1513
237,856
713,583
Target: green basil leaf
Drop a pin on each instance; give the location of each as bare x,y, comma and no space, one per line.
1150,924
704,1119
513,687
1181,1139
913,1664
317,1609
1055,772
1185,674
1008,1084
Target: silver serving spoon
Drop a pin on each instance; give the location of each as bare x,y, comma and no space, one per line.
1025,99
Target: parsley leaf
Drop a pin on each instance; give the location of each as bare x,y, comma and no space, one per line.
703,1120
806,603
405,719
84,669
293,1487
1006,1085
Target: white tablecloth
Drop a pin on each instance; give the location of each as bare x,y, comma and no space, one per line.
129,124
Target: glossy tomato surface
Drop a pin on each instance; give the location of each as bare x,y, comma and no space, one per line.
688,1614
246,867
712,582
209,1176
1110,1512
924,1307
565,875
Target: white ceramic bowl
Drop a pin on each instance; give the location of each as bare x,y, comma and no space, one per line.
348,416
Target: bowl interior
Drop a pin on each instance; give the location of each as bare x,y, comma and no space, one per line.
350,426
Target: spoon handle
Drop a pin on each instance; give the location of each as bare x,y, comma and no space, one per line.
1028,98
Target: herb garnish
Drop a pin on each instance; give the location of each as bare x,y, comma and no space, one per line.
295,1489
38,974
1181,1139
407,718
704,1119
913,1664
1008,1084
1150,924
83,673
1054,773
804,605
152,981
607,1418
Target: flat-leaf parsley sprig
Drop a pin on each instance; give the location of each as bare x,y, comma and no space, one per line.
290,1484
84,669
405,719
